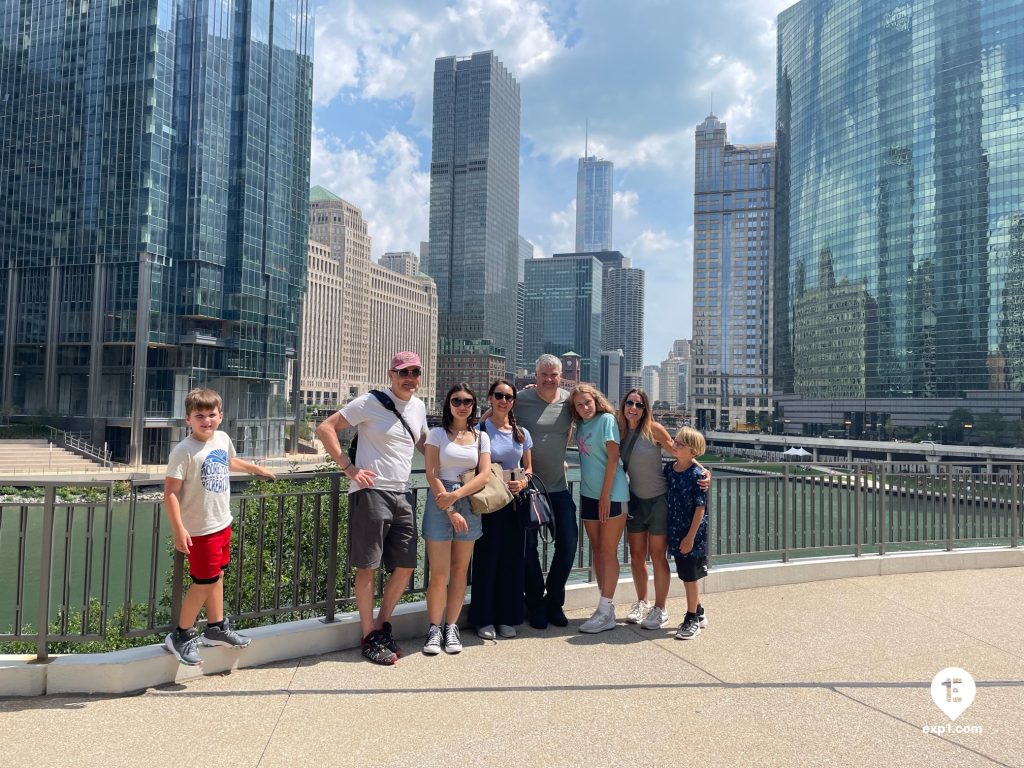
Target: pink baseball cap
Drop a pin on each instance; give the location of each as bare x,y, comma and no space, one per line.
405,360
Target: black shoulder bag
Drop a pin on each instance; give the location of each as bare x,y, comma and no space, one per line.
389,405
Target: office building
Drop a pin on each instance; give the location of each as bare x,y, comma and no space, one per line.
474,205
594,188
563,310
733,217
153,224
651,376
357,314
403,262
622,309
612,378
899,196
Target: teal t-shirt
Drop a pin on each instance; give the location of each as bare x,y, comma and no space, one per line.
593,437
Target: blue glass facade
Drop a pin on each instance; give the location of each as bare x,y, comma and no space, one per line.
562,310
898,238
154,167
594,187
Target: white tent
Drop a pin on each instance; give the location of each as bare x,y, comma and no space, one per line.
796,452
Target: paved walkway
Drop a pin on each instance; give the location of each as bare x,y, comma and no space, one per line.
829,673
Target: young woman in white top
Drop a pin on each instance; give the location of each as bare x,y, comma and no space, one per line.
450,528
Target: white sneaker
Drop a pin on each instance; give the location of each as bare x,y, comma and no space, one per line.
637,611
599,622
506,630
655,619
487,633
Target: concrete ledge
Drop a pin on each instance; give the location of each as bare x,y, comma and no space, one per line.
136,669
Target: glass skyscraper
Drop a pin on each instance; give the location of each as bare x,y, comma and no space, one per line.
154,166
474,206
563,310
900,130
734,191
594,187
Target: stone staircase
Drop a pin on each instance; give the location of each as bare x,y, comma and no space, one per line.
20,457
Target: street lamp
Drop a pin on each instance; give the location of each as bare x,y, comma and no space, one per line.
967,433
847,423
941,427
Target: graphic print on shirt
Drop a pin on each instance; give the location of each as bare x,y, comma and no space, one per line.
581,443
214,473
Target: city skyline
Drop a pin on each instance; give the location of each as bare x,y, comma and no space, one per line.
372,116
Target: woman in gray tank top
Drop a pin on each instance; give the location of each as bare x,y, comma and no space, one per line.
647,527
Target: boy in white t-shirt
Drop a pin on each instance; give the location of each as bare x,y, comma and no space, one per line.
197,495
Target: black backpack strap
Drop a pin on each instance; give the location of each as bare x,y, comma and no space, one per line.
628,450
389,405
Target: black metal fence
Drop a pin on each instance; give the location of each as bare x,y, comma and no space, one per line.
94,564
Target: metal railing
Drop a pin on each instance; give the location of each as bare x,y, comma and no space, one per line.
92,562
78,442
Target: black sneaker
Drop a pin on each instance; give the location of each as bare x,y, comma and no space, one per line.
556,616
375,650
389,639
701,618
223,635
689,629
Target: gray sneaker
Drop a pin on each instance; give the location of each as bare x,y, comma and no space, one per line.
655,619
184,646
600,621
689,629
225,636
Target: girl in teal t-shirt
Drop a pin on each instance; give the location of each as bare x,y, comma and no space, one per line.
604,495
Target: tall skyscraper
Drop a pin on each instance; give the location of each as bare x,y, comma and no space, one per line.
652,382
622,310
154,170
732,255
563,310
474,204
403,262
899,189
594,186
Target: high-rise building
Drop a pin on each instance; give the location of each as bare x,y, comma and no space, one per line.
341,227
403,262
652,382
612,378
669,383
357,314
474,205
563,310
154,168
899,194
732,255
594,187
622,310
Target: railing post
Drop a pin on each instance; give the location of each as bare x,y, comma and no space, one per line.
331,596
177,588
858,511
1015,516
45,557
785,513
949,511
883,515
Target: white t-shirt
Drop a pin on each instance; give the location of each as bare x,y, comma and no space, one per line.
205,496
454,459
384,445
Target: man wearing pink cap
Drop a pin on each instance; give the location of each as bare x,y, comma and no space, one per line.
391,424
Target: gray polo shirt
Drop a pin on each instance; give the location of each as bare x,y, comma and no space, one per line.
549,425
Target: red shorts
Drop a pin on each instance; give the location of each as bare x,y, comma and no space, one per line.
209,555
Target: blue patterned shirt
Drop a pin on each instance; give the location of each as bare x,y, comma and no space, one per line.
683,498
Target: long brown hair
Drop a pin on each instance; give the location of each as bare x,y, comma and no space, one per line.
517,432
646,419
448,418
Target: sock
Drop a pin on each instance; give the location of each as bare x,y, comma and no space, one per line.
605,604
183,630
690,615
700,609
217,624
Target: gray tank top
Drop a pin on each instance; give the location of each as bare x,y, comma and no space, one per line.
646,480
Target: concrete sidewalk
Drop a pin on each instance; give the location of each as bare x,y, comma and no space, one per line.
829,673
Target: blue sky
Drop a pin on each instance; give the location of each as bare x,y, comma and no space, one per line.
644,72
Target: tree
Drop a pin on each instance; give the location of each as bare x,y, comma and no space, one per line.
955,425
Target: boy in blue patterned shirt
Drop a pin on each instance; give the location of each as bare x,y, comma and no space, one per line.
688,524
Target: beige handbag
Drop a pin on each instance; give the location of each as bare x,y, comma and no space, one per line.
493,496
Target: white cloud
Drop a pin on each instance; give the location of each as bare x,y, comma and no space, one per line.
624,205
383,180
650,242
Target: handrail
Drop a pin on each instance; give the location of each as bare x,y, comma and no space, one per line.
77,442
103,565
